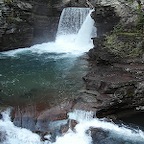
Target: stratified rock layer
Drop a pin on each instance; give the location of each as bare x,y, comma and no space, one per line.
24,23
116,76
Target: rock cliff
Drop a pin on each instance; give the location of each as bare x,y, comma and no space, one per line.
117,65
24,23
16,24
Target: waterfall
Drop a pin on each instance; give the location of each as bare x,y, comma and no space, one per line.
71,20
75,30
86,32
74,35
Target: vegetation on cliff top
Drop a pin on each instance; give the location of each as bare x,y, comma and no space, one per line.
127,40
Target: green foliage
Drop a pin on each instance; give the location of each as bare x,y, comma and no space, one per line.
8,1
124,45
11,19
140,22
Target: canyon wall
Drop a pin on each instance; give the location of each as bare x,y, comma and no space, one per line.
117,60
24,23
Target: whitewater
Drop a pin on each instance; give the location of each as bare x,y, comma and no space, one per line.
80,135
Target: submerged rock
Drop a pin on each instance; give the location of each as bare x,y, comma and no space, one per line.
31,118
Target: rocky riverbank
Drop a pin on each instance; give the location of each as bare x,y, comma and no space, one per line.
117,64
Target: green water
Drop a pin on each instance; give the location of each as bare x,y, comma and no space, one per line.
40,78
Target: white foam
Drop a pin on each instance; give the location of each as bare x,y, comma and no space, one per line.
80,135
86,32
74,138
86,121
15,135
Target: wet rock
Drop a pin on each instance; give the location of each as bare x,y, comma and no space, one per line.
100,136
97,135
40,118
58,112
70,125
64,129
53,114
1,116
105,18
25,117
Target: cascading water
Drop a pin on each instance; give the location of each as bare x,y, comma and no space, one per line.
85,34
71,20
113,134
73,36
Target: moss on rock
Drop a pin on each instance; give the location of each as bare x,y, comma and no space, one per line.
125,42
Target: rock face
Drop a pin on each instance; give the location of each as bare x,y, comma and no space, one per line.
118,88
45,21
105,18
116,78
31,118
16,24
126,10
23,23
